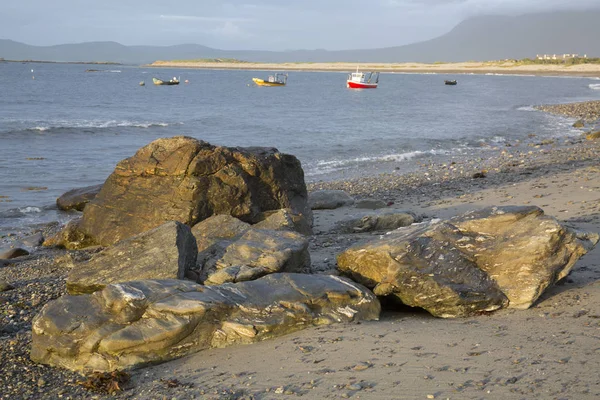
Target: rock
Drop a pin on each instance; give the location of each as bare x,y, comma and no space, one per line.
329,199
470,263
579,124
385,220
417,266
593,135
161,253
133,324
7,254
371,204
284,219
33,241
216,228
5,286
524,250
187,180
76,199
70,237
256,253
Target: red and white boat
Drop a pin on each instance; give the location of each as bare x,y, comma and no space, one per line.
362,80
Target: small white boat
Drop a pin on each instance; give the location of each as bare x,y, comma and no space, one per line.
362,80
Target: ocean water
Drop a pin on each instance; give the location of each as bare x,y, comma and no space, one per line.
62,127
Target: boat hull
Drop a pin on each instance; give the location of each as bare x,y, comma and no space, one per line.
357,85
262,82
157,81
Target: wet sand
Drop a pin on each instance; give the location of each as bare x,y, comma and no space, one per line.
550,351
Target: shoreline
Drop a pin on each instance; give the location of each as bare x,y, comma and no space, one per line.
547,351
499,68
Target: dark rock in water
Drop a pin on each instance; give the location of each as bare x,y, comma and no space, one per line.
133,324
33,240
469,264
76,199
162,253
187,180
7,254
579,124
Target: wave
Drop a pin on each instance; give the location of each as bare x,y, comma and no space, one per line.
19,212
527,108
49,126
324,167
594,86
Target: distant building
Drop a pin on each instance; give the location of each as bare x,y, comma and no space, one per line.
555,57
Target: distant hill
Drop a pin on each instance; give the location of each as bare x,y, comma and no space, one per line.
477,39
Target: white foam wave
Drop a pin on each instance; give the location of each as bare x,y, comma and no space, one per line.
329,166
115,71
594,86
83,124
499,74
526,108
27,210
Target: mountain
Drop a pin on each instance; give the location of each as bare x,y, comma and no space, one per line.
479,39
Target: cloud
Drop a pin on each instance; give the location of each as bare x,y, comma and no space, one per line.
195,18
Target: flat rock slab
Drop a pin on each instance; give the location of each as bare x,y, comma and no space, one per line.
329,199
132,324
371,221
165,252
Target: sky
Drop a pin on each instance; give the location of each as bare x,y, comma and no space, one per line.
253,24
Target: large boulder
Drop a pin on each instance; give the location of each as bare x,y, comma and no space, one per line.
480,261
187,180
165,252
76,199
132,324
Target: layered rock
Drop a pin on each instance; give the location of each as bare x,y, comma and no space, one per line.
132,324
165,252
255,253
480,261
187,180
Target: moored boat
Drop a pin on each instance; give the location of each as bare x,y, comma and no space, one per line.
450,82
173,81
277,79
362,80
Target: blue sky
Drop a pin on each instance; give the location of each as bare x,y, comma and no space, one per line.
253,24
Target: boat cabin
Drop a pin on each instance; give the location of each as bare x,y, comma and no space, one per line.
364,77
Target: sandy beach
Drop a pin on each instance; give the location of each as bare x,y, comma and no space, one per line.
550,351
491,67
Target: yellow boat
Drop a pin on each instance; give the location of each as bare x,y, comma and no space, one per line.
273,80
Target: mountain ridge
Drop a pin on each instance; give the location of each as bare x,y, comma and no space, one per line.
475,39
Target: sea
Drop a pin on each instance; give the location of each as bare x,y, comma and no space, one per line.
63,126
